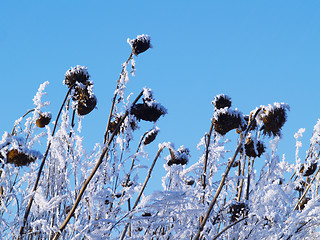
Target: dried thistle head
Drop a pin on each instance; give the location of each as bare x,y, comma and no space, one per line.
221,101
43,119
226,119
151,136
74,75
273,118
140,44
181,156
254,148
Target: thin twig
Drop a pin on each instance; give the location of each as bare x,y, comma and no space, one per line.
226,228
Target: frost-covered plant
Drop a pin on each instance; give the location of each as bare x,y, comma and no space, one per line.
70,192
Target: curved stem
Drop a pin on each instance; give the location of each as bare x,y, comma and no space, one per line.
226,228
26,214
14,128
106,135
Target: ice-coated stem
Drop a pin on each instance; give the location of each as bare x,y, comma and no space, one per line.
106,135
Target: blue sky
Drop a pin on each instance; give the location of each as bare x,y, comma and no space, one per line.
257,52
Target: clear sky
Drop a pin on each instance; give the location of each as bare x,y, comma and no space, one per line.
257,52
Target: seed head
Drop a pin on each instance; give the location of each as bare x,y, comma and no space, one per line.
149,111
86,105
308,169
151,136
181,156
226,119
254,148
221,101
236,210
274,117
78,74
19,158
43,119
140,44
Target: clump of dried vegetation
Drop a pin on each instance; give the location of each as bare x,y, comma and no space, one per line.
68,193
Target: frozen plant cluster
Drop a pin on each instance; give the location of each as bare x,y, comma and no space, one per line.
52,187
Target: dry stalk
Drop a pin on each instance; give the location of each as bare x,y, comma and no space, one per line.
87,181
208,138
242,180
106,135
26,214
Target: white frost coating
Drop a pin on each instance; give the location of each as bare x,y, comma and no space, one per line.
37,98
236,113
77,70
142,38
153,131
147,93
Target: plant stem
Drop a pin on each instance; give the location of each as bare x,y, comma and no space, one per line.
26,214
242,180
87,181
106,135
204,174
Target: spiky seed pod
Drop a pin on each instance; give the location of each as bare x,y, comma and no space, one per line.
236,210
308,169
254,149
151,136
227,119
140,44
221,101
43,119
84,107
274,117
181,156
148,112
82,91
76,74
19,158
